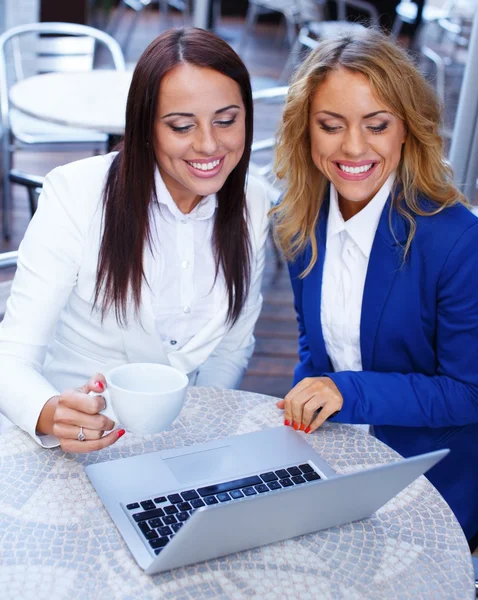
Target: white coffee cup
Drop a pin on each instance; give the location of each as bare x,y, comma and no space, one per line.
144,397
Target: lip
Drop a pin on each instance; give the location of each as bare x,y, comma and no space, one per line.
202,161
352,176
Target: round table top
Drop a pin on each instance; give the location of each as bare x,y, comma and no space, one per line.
92,100
58,542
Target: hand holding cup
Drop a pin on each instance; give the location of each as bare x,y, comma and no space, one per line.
77,414
144,397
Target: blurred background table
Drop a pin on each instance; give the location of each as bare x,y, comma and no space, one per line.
57,541
91,100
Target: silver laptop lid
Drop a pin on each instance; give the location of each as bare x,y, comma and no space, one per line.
263,519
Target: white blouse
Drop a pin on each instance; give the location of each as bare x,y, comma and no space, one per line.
348,247
185,296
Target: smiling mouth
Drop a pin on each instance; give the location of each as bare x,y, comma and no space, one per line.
355,170
204,166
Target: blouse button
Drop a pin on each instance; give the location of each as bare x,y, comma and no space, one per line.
173,342
185,264
187,309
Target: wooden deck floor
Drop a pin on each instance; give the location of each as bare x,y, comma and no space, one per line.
271,367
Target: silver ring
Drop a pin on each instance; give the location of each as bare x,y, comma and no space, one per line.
81,436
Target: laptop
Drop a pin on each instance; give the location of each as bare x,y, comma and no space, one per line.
173,508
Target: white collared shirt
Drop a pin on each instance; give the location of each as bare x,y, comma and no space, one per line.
185,294
348,247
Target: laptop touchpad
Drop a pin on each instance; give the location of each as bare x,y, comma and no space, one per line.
216,463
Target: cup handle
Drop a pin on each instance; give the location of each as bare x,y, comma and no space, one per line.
108,409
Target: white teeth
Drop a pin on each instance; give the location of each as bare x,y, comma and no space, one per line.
205,166
355,170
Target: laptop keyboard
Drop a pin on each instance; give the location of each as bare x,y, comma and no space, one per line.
160,518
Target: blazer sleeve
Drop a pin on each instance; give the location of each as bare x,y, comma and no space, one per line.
225,366
49,259
448,398
305,366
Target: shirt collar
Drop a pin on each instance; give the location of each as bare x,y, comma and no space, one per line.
205,209
362,226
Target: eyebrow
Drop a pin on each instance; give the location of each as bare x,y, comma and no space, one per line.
368,116
183,114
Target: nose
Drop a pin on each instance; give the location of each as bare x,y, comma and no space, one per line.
354,142
205,141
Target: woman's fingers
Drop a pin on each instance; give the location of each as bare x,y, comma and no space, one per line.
71,432
65,415
81,401
317,403
322,416
77,412
293,400
96,383
307,398
310,403
74,445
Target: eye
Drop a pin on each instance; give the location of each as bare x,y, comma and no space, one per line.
183,129
378,128
226,123
329,129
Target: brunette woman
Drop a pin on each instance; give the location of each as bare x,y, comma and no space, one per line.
153,253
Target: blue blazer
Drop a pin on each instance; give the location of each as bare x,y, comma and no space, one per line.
419,345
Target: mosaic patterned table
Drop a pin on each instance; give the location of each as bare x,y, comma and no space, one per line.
57,541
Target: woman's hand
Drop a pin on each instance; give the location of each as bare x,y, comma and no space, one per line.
306,398
64,415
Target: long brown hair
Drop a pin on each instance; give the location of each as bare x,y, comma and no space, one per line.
397,83
130,189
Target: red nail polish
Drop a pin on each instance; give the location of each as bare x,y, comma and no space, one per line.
307,430
287,422
100,384
295,426
121,432
302,427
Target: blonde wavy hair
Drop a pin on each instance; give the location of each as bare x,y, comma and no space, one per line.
396,82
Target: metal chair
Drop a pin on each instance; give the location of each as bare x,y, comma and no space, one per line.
40,48
7,260
312,32
453,34
419,13
138,6
295,14
32,183
262,153
439,41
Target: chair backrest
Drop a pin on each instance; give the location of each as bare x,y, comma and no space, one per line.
310,10
56,53
137,5
366,7
268,106
50,47
8,260
443,5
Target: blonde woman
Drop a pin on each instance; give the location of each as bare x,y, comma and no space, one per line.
383,257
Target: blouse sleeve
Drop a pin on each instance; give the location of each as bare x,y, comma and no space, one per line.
48,264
